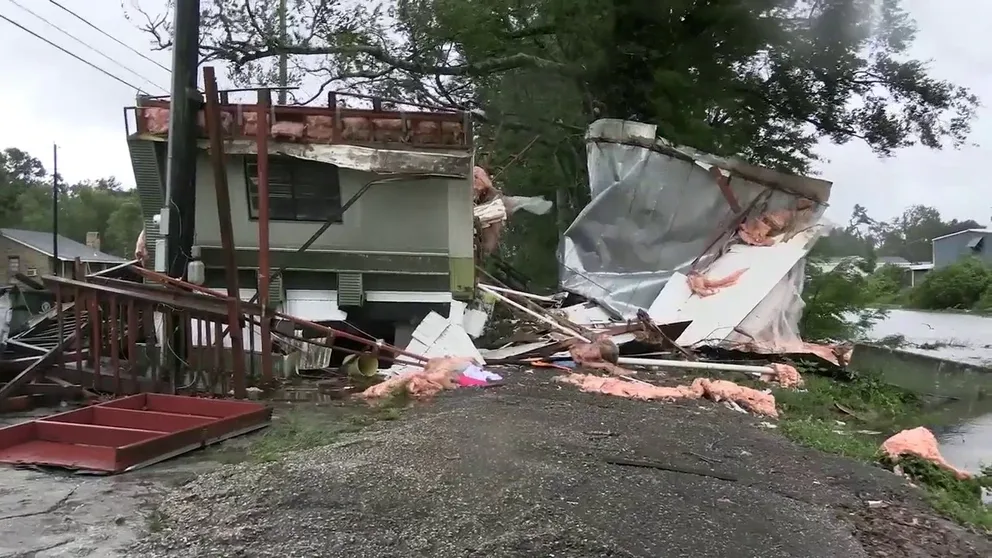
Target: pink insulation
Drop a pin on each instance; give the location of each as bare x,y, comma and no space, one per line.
482,185
320,127
716,390
758,231
288,130
601,354
703,286
389,126
438,374
785,375
921,443
156,120
356,128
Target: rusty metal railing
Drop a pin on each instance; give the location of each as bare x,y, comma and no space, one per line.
125,337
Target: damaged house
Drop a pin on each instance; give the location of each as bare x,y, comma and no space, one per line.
391,192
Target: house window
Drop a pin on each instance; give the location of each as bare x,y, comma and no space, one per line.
13,265
299,190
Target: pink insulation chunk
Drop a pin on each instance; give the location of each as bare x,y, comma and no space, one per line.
288,130
320,127
921,443
716,390
156,120
785,375
703,286
438,374
140,251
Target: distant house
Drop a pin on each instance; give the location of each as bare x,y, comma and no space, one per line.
31,253
952,247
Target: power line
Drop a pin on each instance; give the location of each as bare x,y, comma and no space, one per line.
94,49
72,54
108,35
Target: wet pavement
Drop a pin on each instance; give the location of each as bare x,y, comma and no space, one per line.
54,514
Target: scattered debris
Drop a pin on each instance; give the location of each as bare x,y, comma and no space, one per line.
128,433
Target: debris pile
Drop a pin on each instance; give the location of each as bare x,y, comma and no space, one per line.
679,254
491,209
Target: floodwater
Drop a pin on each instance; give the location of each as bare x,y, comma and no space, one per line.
967,442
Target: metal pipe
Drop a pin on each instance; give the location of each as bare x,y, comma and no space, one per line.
521,293
262,129
350,337
299,321
686,365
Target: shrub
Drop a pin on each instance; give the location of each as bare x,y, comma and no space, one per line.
960,285
836,304
885,285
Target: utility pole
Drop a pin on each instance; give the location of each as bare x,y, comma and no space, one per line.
180,183
185,102
55,210
283,57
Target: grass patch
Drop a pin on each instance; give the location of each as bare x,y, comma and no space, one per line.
850,418
829,437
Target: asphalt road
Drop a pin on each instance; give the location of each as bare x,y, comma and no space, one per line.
535,468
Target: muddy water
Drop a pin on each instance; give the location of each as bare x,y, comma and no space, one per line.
964,429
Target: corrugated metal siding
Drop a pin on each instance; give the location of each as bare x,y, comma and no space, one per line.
950,249
148,181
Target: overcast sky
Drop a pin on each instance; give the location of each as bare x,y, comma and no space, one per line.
49,97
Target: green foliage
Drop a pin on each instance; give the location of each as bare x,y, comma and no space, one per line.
906,236
102,206
885,285
960,285
984,303
852,419
766,80
832,298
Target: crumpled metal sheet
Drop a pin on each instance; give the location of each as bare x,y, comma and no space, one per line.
655,209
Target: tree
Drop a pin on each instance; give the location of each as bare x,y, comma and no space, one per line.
100,205
762,79
19,172
123,227
908,236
